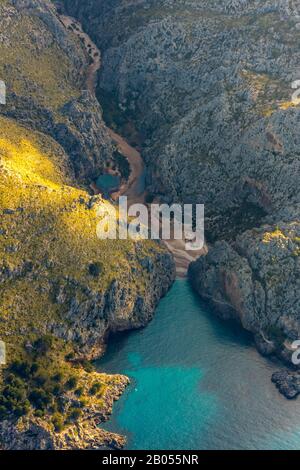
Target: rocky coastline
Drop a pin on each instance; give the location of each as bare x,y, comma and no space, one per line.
254,280
32,433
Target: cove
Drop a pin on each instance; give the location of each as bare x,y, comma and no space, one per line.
197,383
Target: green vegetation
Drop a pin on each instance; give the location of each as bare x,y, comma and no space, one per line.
45,386
48,228
71,383
95,269
50,256
122,121
45,73
122,164
51,226
27,385
95,388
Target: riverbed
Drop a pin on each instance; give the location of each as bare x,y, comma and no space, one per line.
197,383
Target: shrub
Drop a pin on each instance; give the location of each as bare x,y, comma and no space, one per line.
69,357
40,380
95,388
43,345
15,381
88,366
3,412
14,394
22,409
74,414
71,383
57,422
122,164
82,403
34,368
95,269
60,405
39,398
149,198
57,377
57,390
23,369
79,392
14,400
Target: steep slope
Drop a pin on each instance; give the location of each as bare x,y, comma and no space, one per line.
209,87
256,280
62,290
44,67
57,278
49,246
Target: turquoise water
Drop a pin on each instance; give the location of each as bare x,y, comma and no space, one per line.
107,182
197,383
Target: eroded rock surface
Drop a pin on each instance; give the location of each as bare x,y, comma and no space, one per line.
256,280
209,87
288,383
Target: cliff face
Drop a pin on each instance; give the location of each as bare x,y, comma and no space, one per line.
209,87
36,433
255,279
49,247
62,290
44,67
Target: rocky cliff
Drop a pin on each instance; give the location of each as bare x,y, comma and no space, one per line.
62,290
209,87
255,279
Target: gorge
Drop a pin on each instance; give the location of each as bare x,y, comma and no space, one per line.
210,89
195,98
